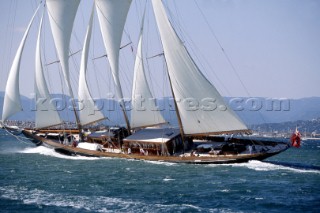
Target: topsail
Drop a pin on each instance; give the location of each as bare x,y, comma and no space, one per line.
112,16
61,15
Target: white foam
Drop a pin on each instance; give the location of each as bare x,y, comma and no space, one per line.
160,163
41,197
93,203
167,178
265,166
50,152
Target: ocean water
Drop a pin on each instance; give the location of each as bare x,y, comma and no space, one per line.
36,179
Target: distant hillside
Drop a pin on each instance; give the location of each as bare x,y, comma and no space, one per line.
252,110
265,110
307,128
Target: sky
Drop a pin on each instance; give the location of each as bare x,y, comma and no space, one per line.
250,48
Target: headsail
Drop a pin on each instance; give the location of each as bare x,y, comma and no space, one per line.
61,15
88,112
112,15
144,111
12,102
201,107
46,113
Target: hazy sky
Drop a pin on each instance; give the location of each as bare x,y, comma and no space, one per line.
273,45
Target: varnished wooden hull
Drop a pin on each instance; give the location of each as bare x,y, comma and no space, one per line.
212,159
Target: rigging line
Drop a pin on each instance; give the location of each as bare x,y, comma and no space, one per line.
160,54
58,61
13,4
222,49
125,74
106,55
150,79
193,47
178,19
74,74
43,37
18,137
183,32
126,45
151,75
124,30
93,72
166,84
226,55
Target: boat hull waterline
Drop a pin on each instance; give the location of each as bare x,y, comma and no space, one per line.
208,159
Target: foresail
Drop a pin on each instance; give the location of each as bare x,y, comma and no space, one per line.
201,107
12,102
112,16
61,15
88,113
144,112
46,113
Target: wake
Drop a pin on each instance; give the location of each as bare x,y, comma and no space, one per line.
50,152
274,166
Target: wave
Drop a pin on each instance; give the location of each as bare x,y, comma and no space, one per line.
40,198
50,152
160,163
273,166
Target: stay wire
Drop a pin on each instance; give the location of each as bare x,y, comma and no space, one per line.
225,54
222,49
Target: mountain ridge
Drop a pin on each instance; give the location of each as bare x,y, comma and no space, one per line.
253,110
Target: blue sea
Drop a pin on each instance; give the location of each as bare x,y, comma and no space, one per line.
36,179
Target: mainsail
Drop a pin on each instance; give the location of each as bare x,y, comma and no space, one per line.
46,113
201,108
12,102
88,112
144,111
112,15
61,15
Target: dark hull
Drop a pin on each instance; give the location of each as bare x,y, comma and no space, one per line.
212,159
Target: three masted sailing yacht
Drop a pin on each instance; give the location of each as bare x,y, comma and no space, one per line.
192,142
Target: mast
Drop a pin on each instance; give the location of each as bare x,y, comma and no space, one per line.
177,109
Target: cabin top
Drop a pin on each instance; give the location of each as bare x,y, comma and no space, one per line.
101,134
153,135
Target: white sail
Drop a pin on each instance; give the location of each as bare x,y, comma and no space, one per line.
88,112
12,102
46,113
61,15
201,107
144,111
112,16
